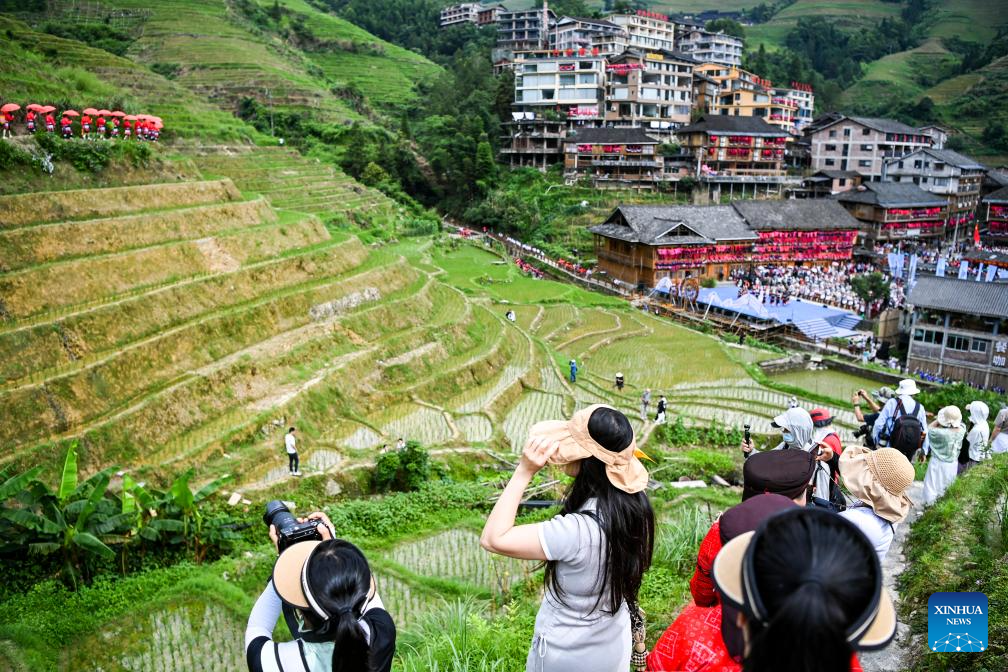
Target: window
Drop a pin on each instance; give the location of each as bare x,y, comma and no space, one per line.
865,131
830,148
830,162
923,336
900,164
961,343
846,132
566,80
832,134
867,148
843,181
864,163
979,345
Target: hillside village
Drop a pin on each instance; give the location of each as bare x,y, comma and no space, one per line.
345,255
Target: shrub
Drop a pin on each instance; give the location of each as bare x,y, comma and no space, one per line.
12,156
404,470
93,157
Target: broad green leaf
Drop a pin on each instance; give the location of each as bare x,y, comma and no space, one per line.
68,483
15,484
43,547
31,520
181,493
143,496
109,525
93,544
128,498
100,486
211,487
167,525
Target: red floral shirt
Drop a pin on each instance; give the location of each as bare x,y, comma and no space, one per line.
702,585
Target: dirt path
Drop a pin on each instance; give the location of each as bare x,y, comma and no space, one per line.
894,657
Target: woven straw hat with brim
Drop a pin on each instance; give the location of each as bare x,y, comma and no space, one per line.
624,469
735,577
880,479
950,416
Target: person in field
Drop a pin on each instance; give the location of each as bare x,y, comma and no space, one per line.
86,127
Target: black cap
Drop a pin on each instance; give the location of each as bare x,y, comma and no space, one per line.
783,472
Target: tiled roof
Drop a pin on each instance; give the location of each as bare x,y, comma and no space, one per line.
946,156
989,299
886,125
649,224
839,173
807,214
999,196
891,195
722,123
617,136
975,254
996,177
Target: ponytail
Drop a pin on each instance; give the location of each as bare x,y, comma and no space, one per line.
804,634
351,652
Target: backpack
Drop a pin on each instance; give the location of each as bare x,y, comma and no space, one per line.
906,431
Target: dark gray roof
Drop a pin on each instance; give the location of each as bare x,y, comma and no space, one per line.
947,156
999,196
886,125
996,177
891,195
617,136
633,52
697,224
975,254
722,123
989,299
806,214
584,19
839,173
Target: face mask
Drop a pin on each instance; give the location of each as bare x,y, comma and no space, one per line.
788,437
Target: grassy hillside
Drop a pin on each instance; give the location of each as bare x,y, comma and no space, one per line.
847,14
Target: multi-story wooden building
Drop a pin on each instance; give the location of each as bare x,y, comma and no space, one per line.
641,244
960,330
995,211
614,158
942,172
839,142
891,211
653,89
735,147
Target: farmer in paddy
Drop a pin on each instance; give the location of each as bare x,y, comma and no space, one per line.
573,371
619,382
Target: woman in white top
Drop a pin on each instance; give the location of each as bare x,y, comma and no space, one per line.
878,480
999,438
596,550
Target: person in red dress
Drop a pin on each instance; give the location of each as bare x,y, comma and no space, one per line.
30,121
86,127
8,119
50,123
101,126
127,129
65,125
114,127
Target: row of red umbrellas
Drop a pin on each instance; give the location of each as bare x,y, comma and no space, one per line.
45,109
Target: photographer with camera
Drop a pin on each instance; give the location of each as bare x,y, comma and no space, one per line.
864,432
327,594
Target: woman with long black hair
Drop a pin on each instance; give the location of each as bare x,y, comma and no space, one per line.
333,610
596,551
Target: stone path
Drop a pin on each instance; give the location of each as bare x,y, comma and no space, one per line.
894,657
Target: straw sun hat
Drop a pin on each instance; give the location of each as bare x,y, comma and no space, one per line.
624,469
879,478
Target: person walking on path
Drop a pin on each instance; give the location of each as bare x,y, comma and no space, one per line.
645,401
979,435
30,121
899,419
946,434
50,123
596,550
290,443
879,480
573,371
660,414
8,119
86,126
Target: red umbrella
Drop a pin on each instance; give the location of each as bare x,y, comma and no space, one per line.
34,107
103,112
10,107
71,113
47,109
158,125
117,113
90,110
131,117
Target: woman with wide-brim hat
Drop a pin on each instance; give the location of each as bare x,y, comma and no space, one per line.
878,480
809,590
596,551
946,434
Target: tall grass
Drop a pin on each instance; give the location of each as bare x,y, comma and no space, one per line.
677,541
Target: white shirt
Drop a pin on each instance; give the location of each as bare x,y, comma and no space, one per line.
977,439
878,530
291,444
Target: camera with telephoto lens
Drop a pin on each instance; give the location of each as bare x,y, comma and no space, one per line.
289,530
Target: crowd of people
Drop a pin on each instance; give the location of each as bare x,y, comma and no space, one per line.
790,579
92,124
829,285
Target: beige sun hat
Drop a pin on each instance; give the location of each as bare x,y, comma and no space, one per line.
624,469
734,575
879,478
950,416
289,576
